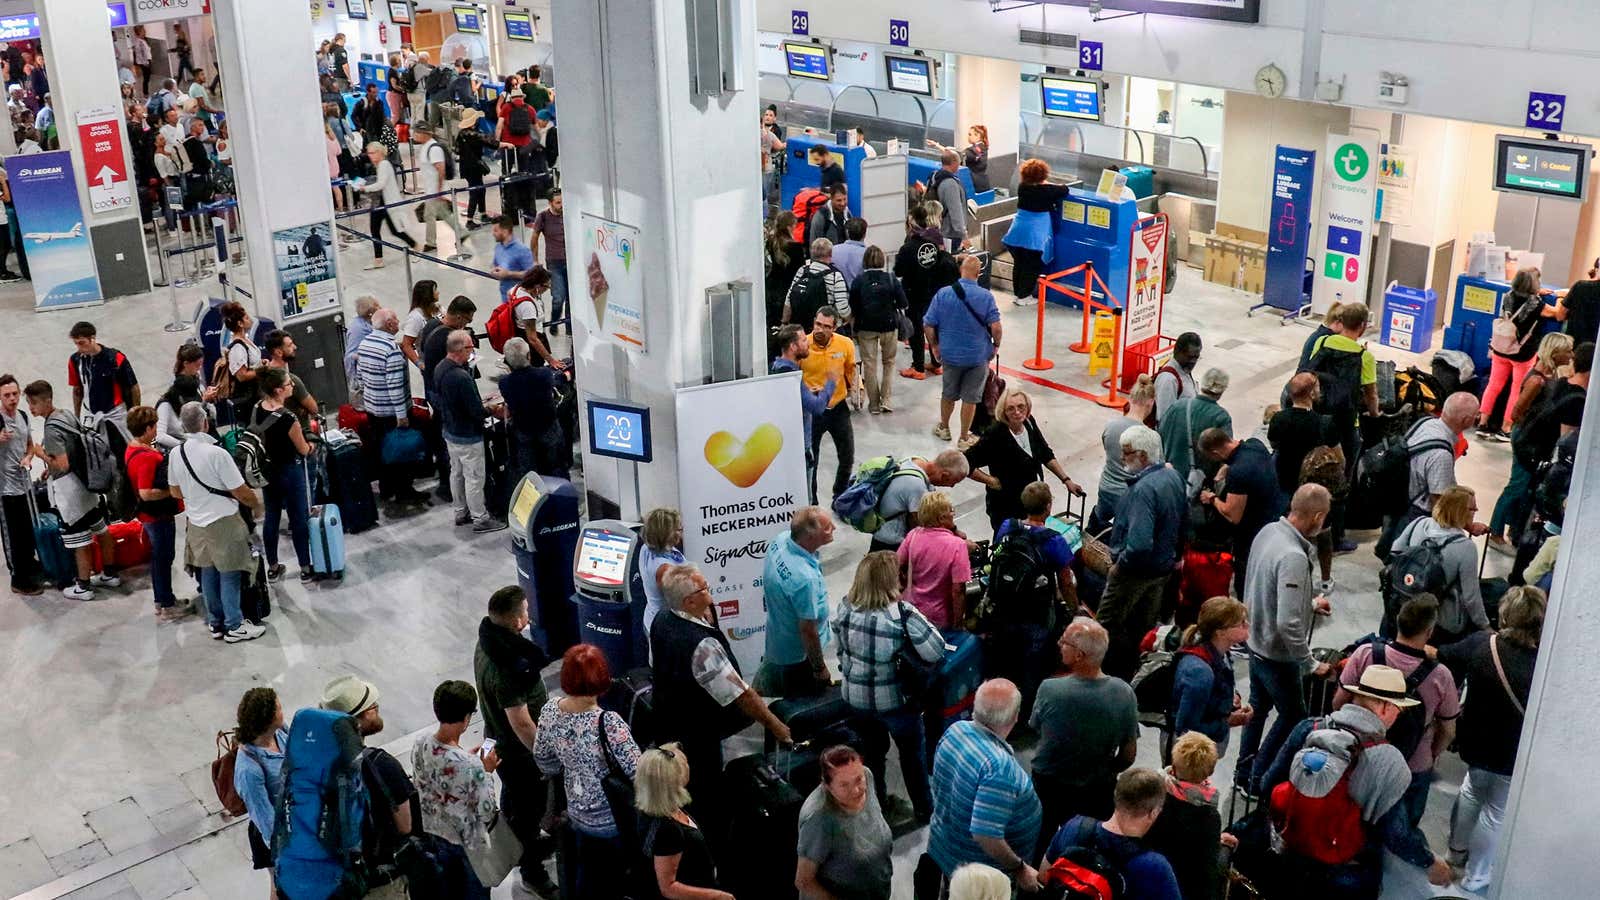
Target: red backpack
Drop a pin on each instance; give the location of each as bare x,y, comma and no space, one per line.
1085,870
502,326
1329,828
806,204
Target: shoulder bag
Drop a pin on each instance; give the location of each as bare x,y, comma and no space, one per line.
618,788
1500,670
916,677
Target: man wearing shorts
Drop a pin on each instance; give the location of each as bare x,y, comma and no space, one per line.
83,519
962,326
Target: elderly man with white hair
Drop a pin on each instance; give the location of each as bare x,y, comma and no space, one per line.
217,542
1187,418
700,695
1431,443
1150,524
360,327
984,806
386,397
898,502
462,413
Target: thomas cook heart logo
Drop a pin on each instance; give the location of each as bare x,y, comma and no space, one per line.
744,462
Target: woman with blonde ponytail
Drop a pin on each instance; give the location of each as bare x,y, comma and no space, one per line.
1203,698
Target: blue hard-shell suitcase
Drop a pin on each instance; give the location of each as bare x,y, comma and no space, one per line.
962,672
327,541
56,560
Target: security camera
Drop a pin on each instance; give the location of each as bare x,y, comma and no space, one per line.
1095,8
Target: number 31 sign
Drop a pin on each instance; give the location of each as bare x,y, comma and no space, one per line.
1546,110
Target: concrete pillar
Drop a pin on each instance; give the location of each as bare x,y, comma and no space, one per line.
637,147
1549,817
280,161
988,93
81,60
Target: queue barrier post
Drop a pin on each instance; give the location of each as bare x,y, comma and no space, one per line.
1040,362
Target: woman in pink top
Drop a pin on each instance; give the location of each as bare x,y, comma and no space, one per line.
934,563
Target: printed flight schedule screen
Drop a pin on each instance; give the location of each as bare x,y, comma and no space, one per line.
1070,98
807,60
603,557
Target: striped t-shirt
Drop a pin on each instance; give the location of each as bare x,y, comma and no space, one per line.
979,790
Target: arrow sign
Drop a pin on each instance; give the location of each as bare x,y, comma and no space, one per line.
105,176
100,137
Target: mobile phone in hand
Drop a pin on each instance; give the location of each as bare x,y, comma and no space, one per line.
487,748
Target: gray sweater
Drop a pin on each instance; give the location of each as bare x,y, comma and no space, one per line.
1278,589
1461,607
953,195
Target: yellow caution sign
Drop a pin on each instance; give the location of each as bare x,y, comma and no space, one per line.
1103,343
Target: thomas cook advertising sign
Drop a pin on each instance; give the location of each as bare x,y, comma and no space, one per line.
742,474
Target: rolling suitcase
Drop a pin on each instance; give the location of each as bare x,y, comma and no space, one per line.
497,467
54,557
808,717
255,597
632,696
327,541
959,676
349,487
764,817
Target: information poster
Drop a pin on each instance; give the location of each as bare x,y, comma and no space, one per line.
50,220
100,136
161,10
615,281
741,458
1349,198
1147,278
1289,227
1396,184
307,270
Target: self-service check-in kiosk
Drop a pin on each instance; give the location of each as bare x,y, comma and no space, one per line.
610,592
543,515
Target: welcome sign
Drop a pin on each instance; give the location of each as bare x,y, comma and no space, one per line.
741,474
1349,198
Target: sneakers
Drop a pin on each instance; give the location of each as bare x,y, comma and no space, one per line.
26,590
488,524
306,575
1500,437
1026,301
1501,545
9,277
463,518
77,592
942,432
966,442
886,409
216,632
101,579
176,611
1344,547
935,370
913,374
275,572
245,632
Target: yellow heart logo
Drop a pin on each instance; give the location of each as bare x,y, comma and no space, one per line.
744,462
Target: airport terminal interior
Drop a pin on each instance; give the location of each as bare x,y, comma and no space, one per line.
973,449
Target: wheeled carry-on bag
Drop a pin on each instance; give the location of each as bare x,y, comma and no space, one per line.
349,487
54,557
764,814
327,541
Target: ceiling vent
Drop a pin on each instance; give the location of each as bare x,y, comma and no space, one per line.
1048,39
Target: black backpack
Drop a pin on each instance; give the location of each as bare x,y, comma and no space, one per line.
1339,375
438,81
1419,569
878,301
448,160
1553,480
1022,589
1406,733
519,120
408,80
809,295
1385,472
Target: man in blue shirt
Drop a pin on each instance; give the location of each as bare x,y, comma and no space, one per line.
796,596
1147,874
512,258
962,326
793,346
984,807
849,253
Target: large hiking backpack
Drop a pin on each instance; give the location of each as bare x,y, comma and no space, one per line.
1022,589
1154,683
1085,870
809,294
322,805
858,504
1421,390
1339,375
437,82
502,326
1407,731
519,120
806,203
1385,469
1313,814
1416,570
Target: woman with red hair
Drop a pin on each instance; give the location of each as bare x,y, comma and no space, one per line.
975,157
1031,236
583,743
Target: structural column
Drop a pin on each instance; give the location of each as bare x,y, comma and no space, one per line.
988,93
640,148
76,35
280,161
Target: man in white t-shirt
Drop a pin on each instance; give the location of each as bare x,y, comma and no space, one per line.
204,477
527,313
430,178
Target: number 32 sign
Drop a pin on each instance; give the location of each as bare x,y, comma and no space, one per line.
1546,110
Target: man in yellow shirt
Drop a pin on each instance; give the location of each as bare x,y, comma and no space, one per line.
1347,374
832,356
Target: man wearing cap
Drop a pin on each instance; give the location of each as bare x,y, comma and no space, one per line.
396,810
1376,784
431,178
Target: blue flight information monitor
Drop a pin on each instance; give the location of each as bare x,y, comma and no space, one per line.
909,74
807,60
1070,98
519,25
619,430
467,19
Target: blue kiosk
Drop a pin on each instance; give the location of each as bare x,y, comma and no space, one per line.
1473,309
1094,229
800,174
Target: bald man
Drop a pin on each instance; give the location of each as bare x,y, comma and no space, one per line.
385,396
1432,446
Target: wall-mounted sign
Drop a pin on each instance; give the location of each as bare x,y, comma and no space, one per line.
909,74
1223,10
799,22
1397,181
1547,168
1349,197
400,12
118,13
519,25
357,9
467,19
1545,111
807,60
1091,55
104,163
1070,98
161,10
899,33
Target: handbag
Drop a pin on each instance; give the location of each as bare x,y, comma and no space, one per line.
903,325
618,788
494,859
916,676
1500,670
222,774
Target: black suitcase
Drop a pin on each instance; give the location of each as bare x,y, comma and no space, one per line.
255,597
632,696
764,824
1319,692
809,716
497,467
350,487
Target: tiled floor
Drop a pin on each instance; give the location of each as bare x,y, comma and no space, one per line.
112,717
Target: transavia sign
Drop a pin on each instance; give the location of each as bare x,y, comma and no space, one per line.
158,10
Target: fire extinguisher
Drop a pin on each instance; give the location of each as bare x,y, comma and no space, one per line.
383,32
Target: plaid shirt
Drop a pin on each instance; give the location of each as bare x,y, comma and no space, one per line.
868,640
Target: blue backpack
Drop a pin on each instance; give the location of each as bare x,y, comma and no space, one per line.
321,808
858,503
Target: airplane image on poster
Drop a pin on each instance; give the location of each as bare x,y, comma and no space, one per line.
45,237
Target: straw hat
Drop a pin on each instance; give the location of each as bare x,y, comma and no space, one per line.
1384,683
349,694
470,117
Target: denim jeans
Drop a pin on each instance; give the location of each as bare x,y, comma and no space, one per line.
1273,685
286,492
221,590
1025,654
1415,799
459,878
558,291
1475,820
906,730
162,535
591,865
1515,502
